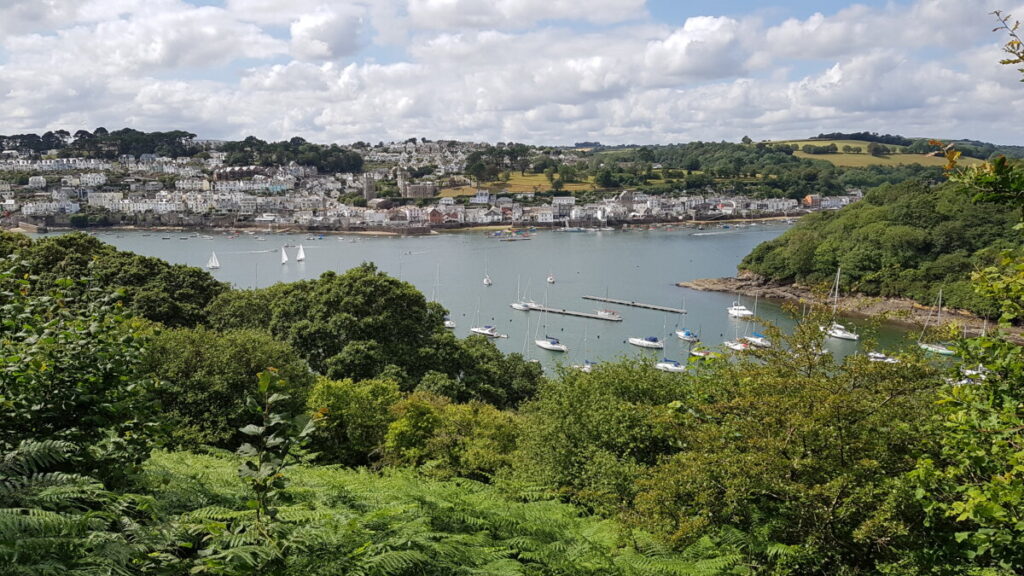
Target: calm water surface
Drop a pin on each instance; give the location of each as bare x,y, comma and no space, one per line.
640,266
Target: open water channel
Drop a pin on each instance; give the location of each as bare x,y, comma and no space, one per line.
633,265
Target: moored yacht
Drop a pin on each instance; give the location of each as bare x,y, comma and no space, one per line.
587,366
687,335
837,330
610,314
667,365
758,339
738,310
879,357
549,343
648,342
489,331
737,345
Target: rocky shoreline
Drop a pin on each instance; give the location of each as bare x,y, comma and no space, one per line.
896,310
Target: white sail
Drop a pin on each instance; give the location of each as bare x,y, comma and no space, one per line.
301,255
213,264
284,256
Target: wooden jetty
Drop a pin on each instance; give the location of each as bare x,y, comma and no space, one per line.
539,308
636,304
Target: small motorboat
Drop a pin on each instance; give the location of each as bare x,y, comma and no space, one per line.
738,310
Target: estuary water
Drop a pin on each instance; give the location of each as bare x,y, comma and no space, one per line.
632,265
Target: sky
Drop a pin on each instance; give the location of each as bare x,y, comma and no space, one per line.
534,71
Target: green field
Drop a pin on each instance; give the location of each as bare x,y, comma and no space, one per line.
864,159
516,184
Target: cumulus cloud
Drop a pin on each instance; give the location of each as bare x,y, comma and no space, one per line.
328,33
523,70
705,47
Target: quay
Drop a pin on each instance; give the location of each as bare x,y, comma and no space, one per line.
636,304
609,318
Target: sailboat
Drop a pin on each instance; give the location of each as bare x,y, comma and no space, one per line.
284,256
434,293
934,347
521,303
487,277
549,343
667,365
587,365
835,329
213,264
489,331
647,342
736,343
551,278
301,255
687,335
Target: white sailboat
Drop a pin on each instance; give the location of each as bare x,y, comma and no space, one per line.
587,365
301,255
213,264
647,342
667,365
758,339
435,296
687,335
934,347
489,331
736,343
521,303
549,343
284,256
879,357
835,329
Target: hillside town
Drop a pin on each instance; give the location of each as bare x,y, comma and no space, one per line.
392,193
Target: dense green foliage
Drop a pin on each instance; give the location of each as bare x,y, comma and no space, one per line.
359,523
205,377
327,158
172,294
906,240
75,423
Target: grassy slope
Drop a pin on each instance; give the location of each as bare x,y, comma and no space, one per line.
517,183
864,159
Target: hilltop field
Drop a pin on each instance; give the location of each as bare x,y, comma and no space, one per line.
863,159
